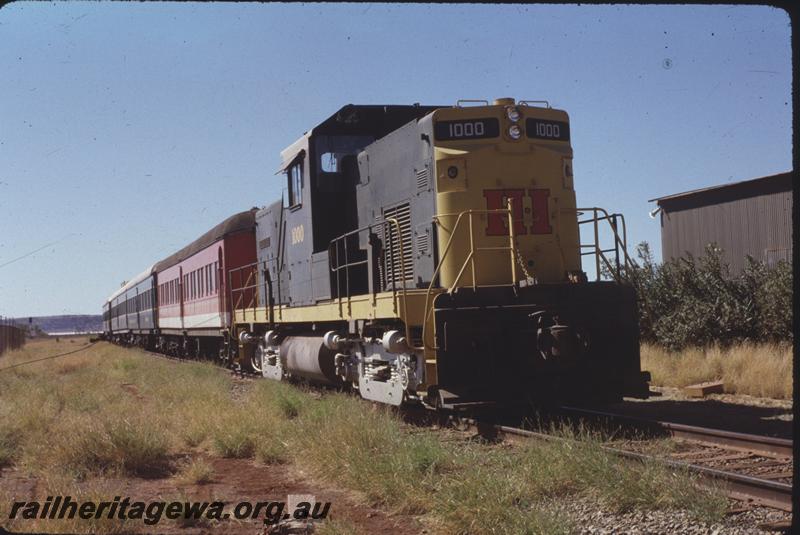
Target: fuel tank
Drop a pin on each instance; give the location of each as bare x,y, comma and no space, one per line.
307,357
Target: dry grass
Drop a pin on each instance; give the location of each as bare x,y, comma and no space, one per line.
117,411
196,471
763,370
57,484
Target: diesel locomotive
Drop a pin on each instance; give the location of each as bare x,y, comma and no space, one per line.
420,254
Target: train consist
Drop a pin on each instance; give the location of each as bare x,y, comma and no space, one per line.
180,305
421,254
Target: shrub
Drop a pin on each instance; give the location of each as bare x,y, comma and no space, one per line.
697,302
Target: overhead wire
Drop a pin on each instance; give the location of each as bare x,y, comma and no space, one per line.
48,358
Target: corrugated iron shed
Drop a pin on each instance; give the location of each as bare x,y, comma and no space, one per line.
752,217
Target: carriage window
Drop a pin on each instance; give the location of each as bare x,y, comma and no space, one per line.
295,175
216,275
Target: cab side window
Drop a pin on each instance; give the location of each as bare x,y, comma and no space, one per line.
295,176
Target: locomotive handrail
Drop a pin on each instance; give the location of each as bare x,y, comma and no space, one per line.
470,257
629,263
260,271
471,101
240,290
529,102
336,269
618,242
402,277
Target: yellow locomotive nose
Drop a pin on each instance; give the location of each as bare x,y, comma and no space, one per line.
490,159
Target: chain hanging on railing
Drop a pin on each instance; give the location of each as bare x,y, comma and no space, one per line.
530,279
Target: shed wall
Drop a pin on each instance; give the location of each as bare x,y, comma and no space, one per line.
759,226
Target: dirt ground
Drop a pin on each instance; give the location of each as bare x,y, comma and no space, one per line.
235,480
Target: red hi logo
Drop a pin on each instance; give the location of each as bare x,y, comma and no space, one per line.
497,224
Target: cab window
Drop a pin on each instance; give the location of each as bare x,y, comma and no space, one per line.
295,176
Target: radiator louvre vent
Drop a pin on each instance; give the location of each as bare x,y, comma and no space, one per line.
422,179
395,265
423,243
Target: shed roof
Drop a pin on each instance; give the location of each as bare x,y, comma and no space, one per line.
727,192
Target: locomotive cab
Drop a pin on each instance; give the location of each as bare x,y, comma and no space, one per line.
320,204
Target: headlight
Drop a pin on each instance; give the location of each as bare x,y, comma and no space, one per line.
513,114
514,132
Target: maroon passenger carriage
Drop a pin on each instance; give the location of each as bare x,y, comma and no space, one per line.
193,298
181,305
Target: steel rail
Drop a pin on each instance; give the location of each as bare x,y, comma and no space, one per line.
771,446
762,491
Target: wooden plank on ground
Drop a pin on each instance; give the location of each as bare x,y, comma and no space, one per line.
703,389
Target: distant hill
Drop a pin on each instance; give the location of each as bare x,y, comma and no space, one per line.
65,323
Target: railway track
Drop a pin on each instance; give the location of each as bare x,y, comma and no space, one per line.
764,445
749,468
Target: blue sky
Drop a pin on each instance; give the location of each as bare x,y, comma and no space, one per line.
128,129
